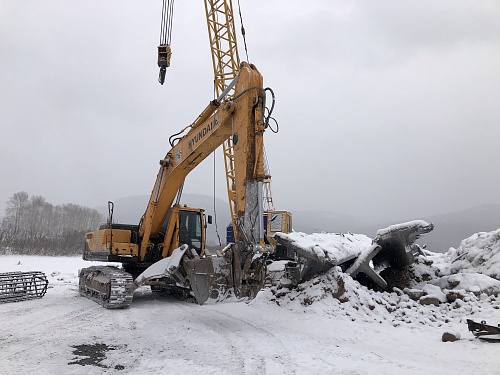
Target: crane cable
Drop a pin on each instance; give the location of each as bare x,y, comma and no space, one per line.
243,31
167,14
164,51
215,208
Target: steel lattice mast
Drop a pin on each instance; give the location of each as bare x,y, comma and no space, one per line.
226,63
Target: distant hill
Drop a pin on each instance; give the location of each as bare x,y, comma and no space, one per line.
331,222
450,228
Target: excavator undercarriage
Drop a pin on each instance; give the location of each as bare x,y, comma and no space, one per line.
106,285
208,278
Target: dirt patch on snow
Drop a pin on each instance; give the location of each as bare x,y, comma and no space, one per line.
93,355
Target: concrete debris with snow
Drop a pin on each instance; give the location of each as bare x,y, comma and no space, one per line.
327,247
479,253
415,226
330,324
337,294
393,248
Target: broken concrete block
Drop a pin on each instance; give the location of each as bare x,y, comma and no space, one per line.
450,336
414,294
453,295
429,300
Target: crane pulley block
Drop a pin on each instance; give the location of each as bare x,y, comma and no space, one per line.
164,55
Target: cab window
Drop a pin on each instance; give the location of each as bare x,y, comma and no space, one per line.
190,229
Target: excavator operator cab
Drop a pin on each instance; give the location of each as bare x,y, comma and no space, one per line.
191,229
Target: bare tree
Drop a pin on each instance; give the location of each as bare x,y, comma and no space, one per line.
16,209
32,225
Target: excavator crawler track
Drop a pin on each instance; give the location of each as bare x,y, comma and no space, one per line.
108,286
21,286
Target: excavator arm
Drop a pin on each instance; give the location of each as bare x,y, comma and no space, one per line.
239,118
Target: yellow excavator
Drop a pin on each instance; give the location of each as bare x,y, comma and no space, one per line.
166,249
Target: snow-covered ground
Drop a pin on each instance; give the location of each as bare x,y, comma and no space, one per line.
328,325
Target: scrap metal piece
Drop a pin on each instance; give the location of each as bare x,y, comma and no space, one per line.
21,286
210,278
398,243
207,278
238,272
316,257
165,271
396,250
362,265
483,331
393,247
166,275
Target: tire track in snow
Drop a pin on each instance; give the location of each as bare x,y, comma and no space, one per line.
215,342
34,310
39,329
54,321
257,350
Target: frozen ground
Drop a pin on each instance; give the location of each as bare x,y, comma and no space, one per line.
310,330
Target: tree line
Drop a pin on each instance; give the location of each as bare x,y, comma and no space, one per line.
34,226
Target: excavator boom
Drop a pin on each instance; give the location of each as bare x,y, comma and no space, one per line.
240,118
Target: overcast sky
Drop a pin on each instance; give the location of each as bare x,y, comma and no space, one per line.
387,109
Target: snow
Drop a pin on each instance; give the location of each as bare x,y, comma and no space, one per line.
327,325
479,253
469,282
435,292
